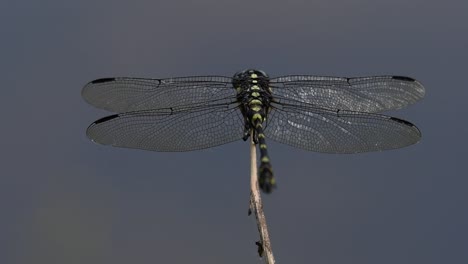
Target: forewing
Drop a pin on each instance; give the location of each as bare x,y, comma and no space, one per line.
170,130
344,131
135,94
363,94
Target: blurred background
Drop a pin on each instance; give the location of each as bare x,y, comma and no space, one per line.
64,199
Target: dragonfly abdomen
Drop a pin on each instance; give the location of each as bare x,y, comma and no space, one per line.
266,180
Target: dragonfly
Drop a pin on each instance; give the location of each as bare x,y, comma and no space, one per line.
314,113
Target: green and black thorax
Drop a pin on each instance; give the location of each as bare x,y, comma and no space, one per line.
254,97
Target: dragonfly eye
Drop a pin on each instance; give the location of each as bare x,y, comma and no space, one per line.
242,74
240,77
262,73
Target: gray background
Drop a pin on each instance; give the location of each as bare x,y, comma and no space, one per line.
64,199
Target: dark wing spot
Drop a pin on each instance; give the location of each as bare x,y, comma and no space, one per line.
402,121
104,119
103,80
403,78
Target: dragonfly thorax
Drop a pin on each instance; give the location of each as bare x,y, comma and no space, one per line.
253,95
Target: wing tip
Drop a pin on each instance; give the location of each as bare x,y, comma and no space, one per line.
418,86
90,131
407,123
89,90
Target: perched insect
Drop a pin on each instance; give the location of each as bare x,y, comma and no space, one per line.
316,113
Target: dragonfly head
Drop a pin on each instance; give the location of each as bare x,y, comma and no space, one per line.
247,75
250,73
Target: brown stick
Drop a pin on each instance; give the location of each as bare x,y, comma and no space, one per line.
264,245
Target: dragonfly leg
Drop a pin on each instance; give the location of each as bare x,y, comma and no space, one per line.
246,135
246,131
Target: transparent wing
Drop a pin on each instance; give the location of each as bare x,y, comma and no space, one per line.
341,131
170,130
362,94
134,94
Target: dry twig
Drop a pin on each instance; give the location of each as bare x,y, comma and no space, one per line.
264,245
